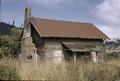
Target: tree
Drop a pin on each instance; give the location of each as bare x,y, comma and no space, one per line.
10,44
118,41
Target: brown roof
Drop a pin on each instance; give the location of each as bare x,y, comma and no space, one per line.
56,28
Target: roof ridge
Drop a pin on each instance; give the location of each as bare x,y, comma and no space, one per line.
70,21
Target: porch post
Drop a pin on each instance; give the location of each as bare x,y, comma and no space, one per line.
74,57
94,57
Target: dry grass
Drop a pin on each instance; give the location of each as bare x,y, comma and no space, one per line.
66,72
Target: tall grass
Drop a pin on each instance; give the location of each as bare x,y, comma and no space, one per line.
109,71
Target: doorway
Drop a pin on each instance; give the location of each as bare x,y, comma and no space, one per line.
83,57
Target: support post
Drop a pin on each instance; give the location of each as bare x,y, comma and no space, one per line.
94,57
101,57
74,57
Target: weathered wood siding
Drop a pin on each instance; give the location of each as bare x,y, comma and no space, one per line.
53,51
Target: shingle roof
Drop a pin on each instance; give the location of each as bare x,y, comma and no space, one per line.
57,28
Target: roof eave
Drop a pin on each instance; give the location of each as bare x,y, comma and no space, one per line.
74,37
35,27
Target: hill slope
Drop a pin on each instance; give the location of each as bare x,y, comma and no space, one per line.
5,28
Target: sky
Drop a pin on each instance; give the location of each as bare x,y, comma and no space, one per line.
105,14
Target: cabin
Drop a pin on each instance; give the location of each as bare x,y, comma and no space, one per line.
56,41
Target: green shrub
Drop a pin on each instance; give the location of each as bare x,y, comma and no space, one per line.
8,73
112,56
10,44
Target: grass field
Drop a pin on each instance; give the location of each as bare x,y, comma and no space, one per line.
109,71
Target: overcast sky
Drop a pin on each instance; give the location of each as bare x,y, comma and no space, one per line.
105,14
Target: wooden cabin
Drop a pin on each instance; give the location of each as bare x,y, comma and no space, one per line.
55,41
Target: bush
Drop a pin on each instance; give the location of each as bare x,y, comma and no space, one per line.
8,73
10,44
112,56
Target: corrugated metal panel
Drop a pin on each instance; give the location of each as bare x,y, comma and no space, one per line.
76,47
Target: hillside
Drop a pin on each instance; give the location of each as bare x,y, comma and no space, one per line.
5,28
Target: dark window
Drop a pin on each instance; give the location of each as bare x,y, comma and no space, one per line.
29,57
34,51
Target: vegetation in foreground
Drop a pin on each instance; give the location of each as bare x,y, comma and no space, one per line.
110,71
10,43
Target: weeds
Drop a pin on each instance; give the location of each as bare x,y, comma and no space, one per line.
65,71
